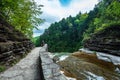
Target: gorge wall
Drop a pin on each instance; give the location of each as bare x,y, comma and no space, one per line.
99,59
107,41
13,44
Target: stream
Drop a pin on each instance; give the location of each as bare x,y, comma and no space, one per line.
88,74
62,55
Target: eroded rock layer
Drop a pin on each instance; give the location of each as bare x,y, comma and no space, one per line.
107,40
13,44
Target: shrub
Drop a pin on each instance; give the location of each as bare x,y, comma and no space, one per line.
2,68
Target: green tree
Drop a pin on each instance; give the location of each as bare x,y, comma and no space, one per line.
23,14
69,34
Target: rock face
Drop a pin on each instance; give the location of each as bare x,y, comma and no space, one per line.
107,41
84,66
13,44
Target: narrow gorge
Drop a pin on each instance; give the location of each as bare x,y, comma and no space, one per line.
59,39
98,60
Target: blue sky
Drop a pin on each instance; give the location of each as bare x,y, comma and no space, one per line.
55,10
64,2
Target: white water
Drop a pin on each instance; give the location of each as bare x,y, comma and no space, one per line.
86,50
63,57
68,78
103,56
92,76
110,58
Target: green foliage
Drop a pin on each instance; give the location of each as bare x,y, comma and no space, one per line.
22,14
107,14
2,68
36,41
65,34
69,34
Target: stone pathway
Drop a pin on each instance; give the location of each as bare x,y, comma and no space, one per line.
26,69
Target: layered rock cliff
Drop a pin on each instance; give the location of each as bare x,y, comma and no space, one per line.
107,41
13,44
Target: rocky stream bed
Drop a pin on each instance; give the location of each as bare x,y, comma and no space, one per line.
84,66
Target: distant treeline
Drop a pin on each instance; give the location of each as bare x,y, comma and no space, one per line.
69,34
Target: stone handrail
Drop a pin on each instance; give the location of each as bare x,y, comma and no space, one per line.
51,71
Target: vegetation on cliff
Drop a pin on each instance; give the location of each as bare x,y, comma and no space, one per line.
22,14
13,45
17,20
36,42
69,34
106,40
107,15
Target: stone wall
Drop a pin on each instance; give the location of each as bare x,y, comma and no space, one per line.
51,71
13,44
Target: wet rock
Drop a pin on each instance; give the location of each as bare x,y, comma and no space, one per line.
56,58
87,67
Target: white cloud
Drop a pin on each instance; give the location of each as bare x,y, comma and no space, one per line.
44,25
37,34
53,11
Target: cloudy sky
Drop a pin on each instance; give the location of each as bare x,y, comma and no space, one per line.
55,10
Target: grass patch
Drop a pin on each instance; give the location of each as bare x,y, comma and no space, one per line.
2,68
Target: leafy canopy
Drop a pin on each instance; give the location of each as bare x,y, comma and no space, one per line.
22,14
69,34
